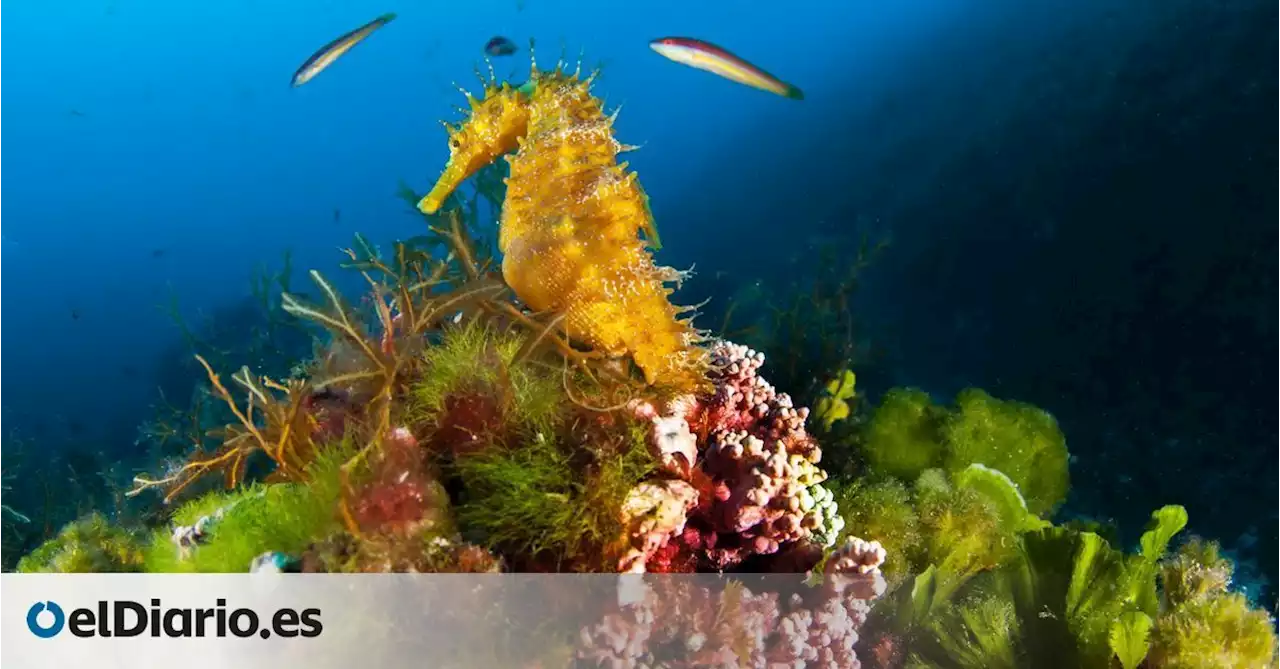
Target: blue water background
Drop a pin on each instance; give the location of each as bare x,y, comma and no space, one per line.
192,142
1078,196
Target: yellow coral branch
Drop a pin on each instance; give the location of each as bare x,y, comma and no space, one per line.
339,323
223,394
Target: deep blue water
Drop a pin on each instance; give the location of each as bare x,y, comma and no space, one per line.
1079,197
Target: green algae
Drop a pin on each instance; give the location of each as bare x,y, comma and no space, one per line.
91,544
254,519
532,499
475,360
908,434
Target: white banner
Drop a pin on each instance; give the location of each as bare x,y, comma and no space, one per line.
486,621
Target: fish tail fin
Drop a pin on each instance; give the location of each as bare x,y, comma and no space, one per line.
793,92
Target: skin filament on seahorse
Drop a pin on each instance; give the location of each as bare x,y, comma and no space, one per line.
571,222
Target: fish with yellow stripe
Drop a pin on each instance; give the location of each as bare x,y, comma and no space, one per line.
716,60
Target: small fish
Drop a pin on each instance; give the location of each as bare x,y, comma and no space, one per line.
335,49
713,59
500,46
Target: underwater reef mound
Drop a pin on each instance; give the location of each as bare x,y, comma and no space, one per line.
547,410
549,483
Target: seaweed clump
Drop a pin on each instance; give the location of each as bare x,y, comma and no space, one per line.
1069,596
908,434
1202,623
952,489
541,475
91,544
978,576
370,446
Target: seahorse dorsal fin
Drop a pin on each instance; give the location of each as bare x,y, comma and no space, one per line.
650,226
650,229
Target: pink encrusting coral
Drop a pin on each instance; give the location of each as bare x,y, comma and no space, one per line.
654,513
681,622
744,448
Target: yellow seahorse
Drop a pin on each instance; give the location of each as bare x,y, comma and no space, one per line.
571,222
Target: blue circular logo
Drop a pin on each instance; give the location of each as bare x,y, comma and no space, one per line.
45,631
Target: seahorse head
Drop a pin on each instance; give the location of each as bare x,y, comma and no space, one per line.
492,129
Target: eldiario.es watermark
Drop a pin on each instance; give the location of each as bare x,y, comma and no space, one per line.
126,618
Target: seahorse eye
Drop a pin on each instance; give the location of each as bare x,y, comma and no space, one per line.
455,143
